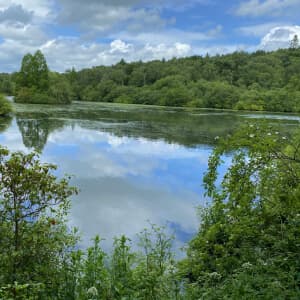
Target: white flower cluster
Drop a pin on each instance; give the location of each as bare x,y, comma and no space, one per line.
92,291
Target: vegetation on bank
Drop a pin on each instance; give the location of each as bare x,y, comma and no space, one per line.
5,106
36,84
247,246
243,81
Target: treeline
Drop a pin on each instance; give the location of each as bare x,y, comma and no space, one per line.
244,81
247,246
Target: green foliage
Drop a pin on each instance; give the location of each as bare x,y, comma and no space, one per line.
34,72
155,273
35,84
124,274
7,84
122,269
248,243
59,90
33,236
5,106
295,42
244,81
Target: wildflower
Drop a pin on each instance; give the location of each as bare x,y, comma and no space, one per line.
92,291
214,275
251,135
246,265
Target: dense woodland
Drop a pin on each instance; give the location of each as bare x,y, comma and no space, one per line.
256,81
243,81
247,246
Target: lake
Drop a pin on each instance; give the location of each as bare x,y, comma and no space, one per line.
133,164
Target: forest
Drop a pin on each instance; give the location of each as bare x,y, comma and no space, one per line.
241,81
247,245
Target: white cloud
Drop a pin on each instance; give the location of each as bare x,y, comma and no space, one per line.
256,8
64,53
104,16
279,37
40,8
258,30
26,34
15,14
120,46
165,51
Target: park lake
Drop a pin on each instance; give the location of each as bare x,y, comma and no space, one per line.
133,164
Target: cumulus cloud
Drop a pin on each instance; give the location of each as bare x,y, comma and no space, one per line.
256,8
15,14
279,37
164,51
105,16
63,53
120,46
39,8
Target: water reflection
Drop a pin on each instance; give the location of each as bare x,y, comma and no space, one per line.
188,128
35,132
5,122
132,164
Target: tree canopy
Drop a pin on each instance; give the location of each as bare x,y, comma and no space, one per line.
244,81
34,72
36,84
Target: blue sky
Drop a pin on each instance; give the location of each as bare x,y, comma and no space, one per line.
101,32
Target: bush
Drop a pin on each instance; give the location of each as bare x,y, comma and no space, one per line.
5,106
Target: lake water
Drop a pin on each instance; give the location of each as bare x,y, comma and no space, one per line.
132,164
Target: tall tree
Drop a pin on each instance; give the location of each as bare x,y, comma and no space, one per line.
34,72
295,42
41,71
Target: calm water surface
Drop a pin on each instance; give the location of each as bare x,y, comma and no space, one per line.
132,164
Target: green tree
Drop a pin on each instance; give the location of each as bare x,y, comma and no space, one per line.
294,42
121,269
248,244
33,235
41,71
154,273
34,72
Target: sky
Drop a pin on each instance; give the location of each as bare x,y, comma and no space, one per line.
82,34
